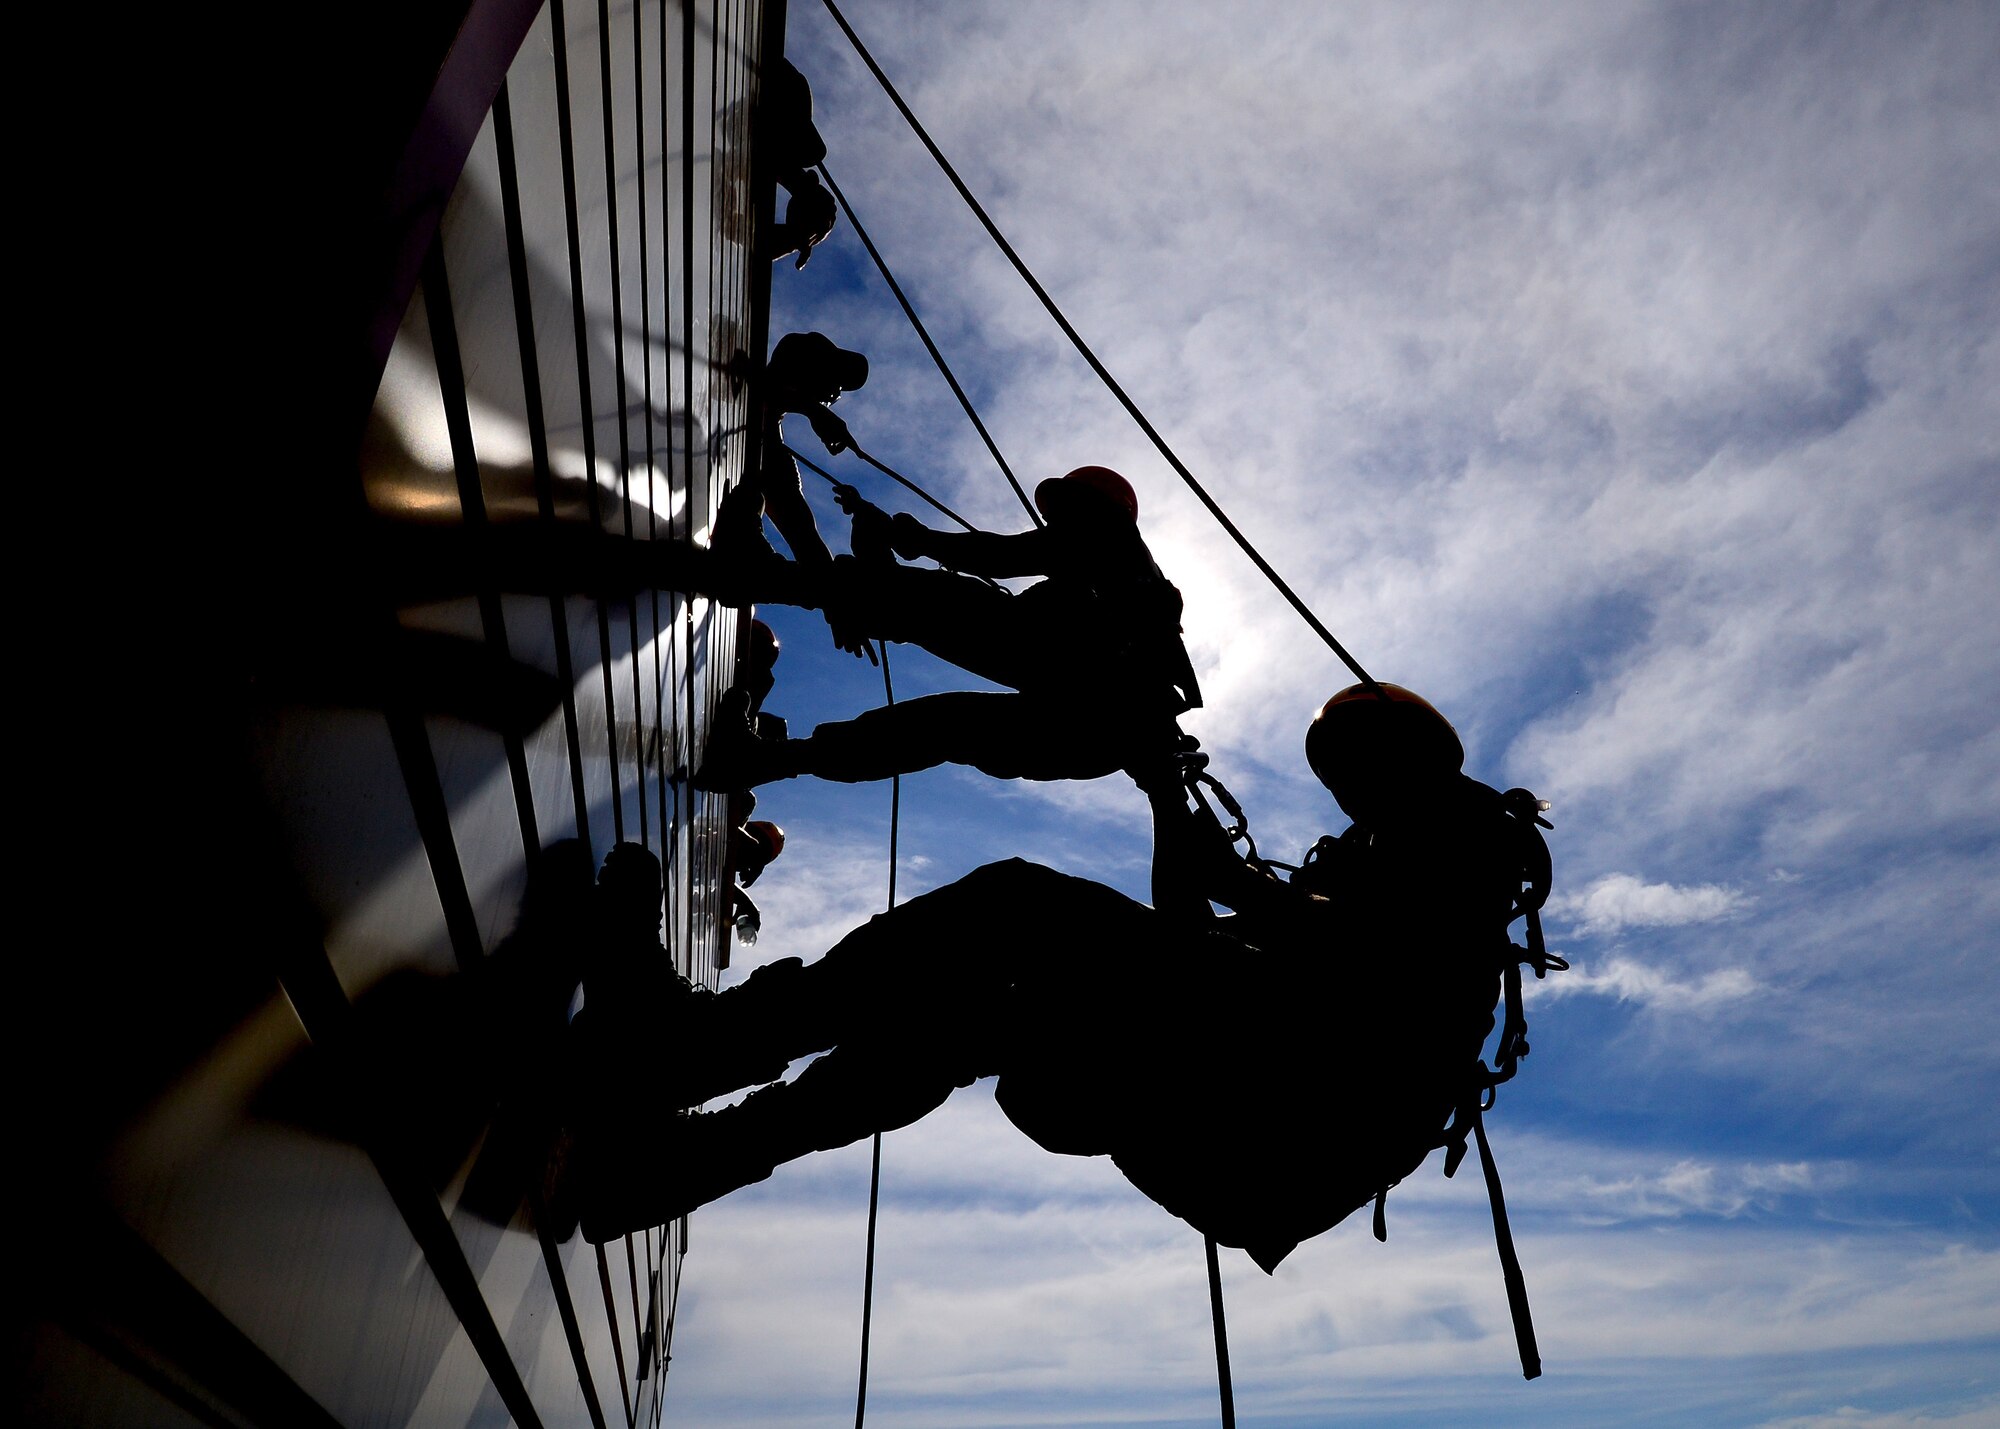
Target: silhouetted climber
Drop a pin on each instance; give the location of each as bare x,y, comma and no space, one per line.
786,136
753,845
805,373
788,140
809,216
627,971
1262,1106
619,1066
757,663
431,1067
1094,650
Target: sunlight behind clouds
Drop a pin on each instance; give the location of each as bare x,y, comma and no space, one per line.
1621,377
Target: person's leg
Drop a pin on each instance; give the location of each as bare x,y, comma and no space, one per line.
959,983
1006,736
893,976
960,619
937,968
700,1157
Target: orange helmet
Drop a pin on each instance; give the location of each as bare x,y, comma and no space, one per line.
1057,491
1368,748
764,646
752,846
769,835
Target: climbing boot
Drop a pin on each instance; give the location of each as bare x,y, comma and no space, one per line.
697,1158
870,538
741,556
739,755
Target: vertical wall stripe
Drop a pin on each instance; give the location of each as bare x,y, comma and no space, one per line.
472,506
538,438
567,140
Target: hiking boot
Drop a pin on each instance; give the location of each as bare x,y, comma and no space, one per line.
869,539
697,1158
737,756
738,549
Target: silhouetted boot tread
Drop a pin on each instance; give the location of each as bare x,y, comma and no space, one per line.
737,756
698,1158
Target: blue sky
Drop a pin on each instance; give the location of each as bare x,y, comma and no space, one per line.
1621,376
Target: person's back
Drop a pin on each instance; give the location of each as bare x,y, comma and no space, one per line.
1331,1029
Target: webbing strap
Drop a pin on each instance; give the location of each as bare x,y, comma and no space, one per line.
1510,1263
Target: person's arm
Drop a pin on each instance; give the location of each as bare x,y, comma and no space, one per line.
786,505
979,553
1194,862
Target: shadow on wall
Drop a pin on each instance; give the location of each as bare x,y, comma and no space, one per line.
437,1068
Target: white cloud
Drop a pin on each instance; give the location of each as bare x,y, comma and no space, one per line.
1627,390
1082,1303
1629,981
1691,1187
1979,1413
1620,900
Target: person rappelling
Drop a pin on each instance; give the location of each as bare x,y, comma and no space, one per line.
1092,652
1262,1108
807,372
787,139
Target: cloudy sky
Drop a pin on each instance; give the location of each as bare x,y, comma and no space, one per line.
1621,376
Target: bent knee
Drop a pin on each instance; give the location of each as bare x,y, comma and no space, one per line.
1014,878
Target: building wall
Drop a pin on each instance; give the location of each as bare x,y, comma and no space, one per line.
325,1203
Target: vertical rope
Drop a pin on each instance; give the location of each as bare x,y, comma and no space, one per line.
875,1169
1083,349
1221,1335
937,357
868,1282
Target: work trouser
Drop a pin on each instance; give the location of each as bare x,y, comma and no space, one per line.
1078,713
990,971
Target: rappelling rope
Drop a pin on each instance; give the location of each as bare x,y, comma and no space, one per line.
1513,1038
818,470
931,347
875,1167
1090,357
1221,1334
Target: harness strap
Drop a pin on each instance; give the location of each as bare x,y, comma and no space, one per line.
1510,1263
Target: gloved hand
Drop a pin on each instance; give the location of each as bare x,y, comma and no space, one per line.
848,635
1158,769
908,536
830,430
809,217
870,541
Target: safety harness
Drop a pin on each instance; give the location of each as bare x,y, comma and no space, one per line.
1524,814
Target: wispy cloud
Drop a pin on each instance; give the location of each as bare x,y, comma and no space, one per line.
1649,987
1621,900
1703,1188
1980,1412
1620,376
